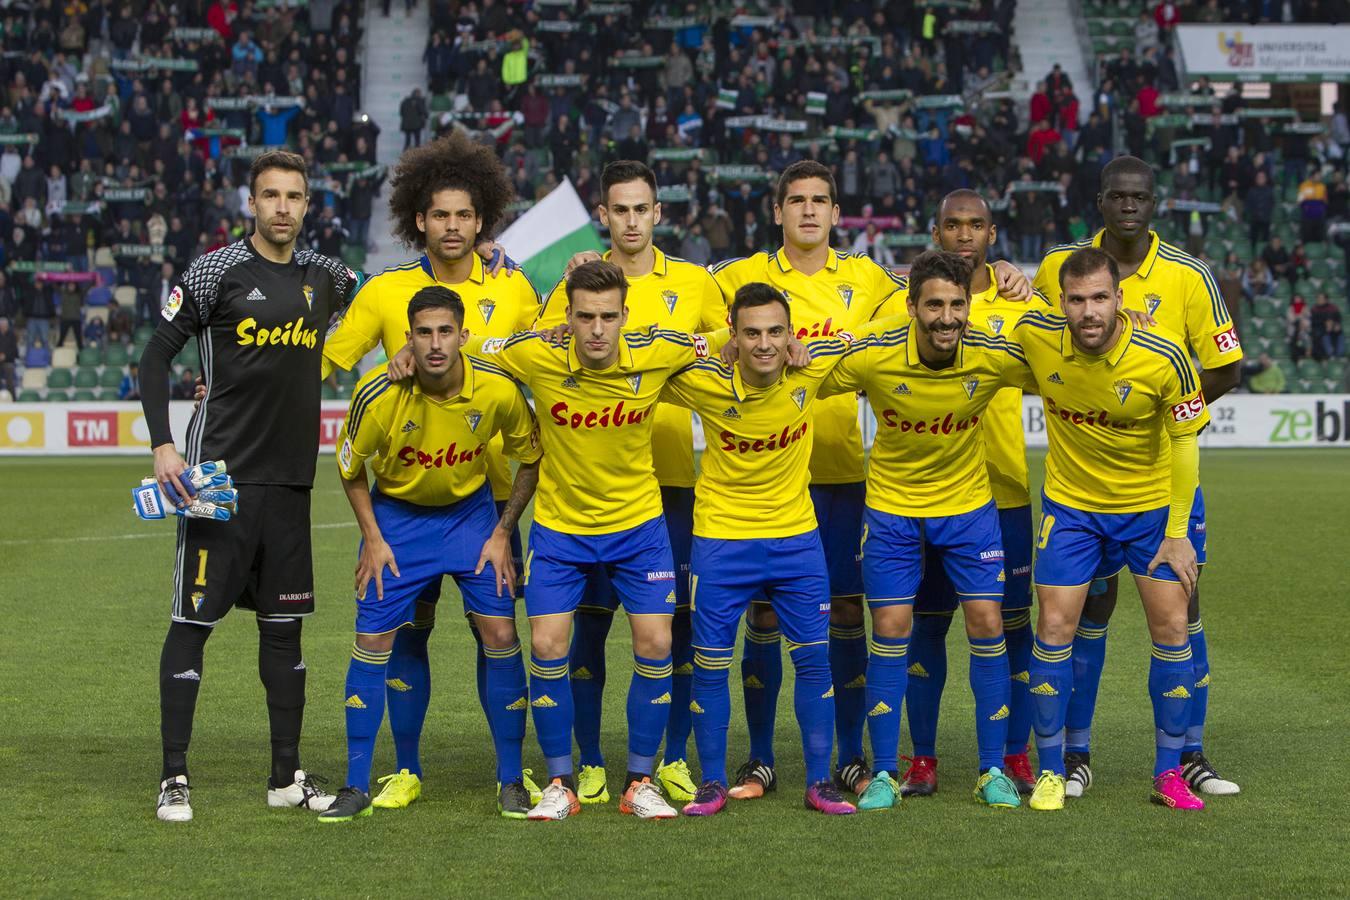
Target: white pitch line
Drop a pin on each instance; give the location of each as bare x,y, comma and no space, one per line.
136,536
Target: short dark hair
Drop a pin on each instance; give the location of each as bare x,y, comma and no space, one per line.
456,163
1088,261
436,296
622,171
938,265
965,194
805,168
1127,165
596,276
757,293
278,159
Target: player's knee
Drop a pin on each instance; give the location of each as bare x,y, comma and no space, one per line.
983,619
497,633
846,612
652,644
893,621
376,643
279,634
548,641
762,617
188,635
1055,626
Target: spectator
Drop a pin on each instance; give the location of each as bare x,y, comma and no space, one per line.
1328,337
9,355
130,388
1312,204
412,115
1260,209
1264,376
695,246
1277,258
185,386
1300,338
71,315
871,243
1257,281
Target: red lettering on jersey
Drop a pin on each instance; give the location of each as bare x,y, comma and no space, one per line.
817,329
1191,409
732,443
1099,418
606,417
445,457
1227,340
945,425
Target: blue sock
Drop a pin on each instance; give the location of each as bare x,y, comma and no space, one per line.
1089,657
1017,632
1171,678
886,677
408,683
848,670
813,700
1051,679
648,711
507,702
762,678
587,659
681,683
710,711
551,700
927,678
365,712
989,683
1195,733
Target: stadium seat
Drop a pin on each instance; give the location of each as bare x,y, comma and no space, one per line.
189,356
84,396
111,378
125,297
347,376
116,355
86,377
1273,329
143,334
328,392
103,258
6,396
60,379
34,378
96,312
29,396
90,356
58,396
64,357
108,395
1335,370
1310,370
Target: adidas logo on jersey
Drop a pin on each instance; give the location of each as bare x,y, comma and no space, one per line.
398,684
1178,693
918,671
1002,713
902,390
355,702
753,682
543,702
731,413
189,675
256,295
664,698
694,707
517,705
1044,690
410,427
881,709
581,674
859,682
1054,378
569,382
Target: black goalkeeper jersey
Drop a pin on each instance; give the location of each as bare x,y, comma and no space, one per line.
260,326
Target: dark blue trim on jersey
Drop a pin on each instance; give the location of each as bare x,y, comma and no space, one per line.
1217,307
361,402
1172,353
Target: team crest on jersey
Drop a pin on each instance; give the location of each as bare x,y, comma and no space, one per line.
970,384
197,598
1123,387
670,298
634,381
487,307
1054,378
846,294
175,303
902,390
799,397
473,417
309,296
1152,302
996,324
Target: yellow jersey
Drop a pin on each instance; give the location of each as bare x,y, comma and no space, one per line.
680,296
1108,417
756,468
493,307
596,426
844,295
1173,287
928,457
433,452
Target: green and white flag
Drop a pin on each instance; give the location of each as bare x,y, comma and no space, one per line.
726,98
815,103
549,233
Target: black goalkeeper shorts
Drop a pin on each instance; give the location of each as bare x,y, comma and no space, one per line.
260,560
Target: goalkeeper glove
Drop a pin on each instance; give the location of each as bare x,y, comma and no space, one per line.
211,495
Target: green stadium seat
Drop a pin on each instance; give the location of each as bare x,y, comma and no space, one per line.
111,378
1317,251
29,397
1273,329
1283,290
1310,370
116,355
57,396
354,256
347,376
1330,386
60,379
189,356
91,356
328,392
85,377
344,392
84,396
143,334
108,395
1335,370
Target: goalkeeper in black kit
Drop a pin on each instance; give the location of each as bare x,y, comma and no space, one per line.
259,310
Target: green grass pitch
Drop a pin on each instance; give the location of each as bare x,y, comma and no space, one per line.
84,596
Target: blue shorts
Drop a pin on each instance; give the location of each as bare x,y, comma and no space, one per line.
677,505
789,573
1075,545
1113,560
970,546
429,542
839,517
637,561
936,594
